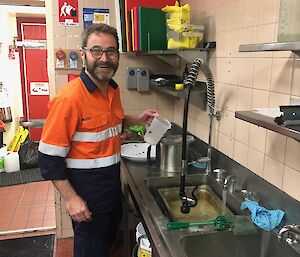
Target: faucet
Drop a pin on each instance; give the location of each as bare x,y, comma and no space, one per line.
291,233
197,65
230,183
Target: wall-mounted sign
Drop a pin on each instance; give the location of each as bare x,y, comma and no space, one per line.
39,88
94,15
68,12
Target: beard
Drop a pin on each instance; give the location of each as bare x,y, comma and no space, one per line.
98,74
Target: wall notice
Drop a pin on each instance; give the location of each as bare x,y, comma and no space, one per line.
95,15
39,88
68,12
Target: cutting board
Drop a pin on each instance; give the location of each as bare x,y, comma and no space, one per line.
129,4
152,23
136,40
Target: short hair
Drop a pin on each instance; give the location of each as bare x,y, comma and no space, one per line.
98,28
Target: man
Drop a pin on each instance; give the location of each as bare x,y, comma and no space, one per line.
80,145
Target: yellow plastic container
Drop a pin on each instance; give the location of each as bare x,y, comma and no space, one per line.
180,33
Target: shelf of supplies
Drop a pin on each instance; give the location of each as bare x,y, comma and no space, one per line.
197,96
267,122
187,54
286,46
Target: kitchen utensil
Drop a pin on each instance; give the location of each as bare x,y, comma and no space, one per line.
221,223
137,152
156,130
170,152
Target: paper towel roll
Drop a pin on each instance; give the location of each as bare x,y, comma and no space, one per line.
11,162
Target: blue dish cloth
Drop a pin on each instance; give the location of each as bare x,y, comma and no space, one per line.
263,218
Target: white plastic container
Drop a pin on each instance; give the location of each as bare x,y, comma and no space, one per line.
3,153
156,130
139,232
289,21
144,248
12,162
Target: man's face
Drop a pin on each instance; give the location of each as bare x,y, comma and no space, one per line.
101,65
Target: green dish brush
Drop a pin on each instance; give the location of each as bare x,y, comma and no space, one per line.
221,223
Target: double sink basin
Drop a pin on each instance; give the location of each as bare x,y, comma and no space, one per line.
206,241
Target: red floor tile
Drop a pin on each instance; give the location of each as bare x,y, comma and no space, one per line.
26,206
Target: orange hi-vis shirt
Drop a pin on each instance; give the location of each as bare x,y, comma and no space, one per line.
84,126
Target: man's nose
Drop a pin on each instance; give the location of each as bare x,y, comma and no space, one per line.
104,56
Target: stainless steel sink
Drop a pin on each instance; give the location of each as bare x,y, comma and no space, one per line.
225,244
166,193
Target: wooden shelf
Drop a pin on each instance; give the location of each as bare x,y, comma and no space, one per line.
267,122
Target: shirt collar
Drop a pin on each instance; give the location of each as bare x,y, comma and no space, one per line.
90,85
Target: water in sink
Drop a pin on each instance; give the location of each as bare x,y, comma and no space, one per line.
208,207
225,244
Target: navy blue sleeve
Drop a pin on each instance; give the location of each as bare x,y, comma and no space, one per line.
52,167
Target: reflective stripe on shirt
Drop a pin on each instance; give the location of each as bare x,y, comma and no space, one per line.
53,150
97,136
92,163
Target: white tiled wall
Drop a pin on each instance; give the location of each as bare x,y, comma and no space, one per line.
251,80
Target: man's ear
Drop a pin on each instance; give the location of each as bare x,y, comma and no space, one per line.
82,53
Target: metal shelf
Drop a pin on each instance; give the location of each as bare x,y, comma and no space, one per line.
267,122
286,46
174,56
197,96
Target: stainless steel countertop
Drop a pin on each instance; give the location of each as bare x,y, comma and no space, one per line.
166,243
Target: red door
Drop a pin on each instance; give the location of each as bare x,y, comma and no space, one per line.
33,60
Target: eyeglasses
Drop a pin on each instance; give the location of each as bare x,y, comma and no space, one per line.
97,52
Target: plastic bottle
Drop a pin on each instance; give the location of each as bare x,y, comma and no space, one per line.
289,20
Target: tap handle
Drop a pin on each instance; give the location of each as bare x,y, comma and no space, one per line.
219,174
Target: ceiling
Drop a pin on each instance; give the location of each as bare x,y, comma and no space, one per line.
37,3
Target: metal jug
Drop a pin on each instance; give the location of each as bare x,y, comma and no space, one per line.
170,152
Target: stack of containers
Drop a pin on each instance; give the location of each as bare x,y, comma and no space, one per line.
180,32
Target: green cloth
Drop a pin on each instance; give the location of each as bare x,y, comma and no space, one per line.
139,129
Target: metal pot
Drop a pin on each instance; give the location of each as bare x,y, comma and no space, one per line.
170,152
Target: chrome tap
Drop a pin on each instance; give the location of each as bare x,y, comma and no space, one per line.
290,233
197,65
230,183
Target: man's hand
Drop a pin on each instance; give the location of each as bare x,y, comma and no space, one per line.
78,209
147,117
76,206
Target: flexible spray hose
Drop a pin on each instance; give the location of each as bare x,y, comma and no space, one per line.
197,65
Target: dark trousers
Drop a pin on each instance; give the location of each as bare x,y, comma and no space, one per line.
93,239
